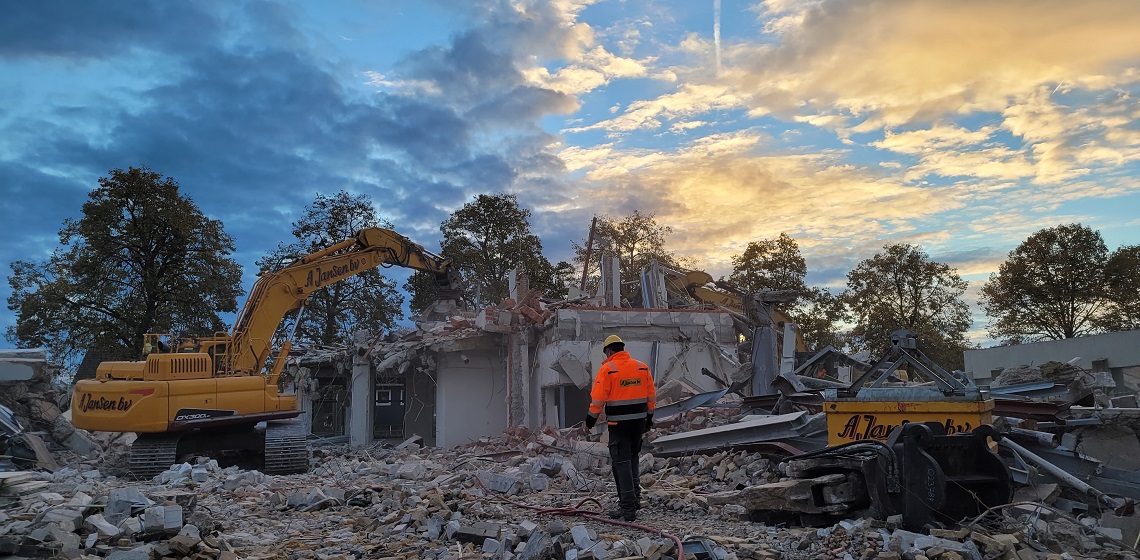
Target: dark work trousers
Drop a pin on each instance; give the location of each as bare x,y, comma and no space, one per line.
625,445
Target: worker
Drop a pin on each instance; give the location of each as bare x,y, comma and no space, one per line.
623,387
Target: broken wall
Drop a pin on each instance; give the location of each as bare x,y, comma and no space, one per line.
1117,352
419,408
472,378
676,345
471,396
323,396
24,365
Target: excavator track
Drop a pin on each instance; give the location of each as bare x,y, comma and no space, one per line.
286,447
152,454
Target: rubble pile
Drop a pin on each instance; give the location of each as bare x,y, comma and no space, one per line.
1052,371
521,495
697,419
37,432
396,353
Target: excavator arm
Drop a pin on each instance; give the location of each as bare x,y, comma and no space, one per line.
279,292
694,282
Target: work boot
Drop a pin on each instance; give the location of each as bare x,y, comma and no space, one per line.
618,513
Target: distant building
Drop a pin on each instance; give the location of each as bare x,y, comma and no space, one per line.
1118,353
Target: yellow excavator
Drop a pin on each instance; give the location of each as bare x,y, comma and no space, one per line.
210,393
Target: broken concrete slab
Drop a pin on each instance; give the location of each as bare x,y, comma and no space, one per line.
573,368
23,364
761,428
478,532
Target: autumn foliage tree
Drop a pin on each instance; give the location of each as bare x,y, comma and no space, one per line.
142,258
1060,283
777,264
820,317
900,287
368,300
486,239
1122,290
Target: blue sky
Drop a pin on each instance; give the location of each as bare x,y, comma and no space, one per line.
959,126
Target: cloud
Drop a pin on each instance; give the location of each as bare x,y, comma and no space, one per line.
682,127
893,62
595,68
402,87
252,123
906,70
1067,141
934,138
688,100
94,29
719,192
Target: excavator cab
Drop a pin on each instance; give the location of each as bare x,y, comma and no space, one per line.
157,343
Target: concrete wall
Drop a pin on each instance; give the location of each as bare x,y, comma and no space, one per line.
675,344
471,398
674,360
480,385
1119,350
642,325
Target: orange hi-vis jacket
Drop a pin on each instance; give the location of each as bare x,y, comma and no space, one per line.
624,387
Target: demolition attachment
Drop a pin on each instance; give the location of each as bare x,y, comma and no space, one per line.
920,472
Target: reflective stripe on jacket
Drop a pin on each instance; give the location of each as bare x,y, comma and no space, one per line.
624,387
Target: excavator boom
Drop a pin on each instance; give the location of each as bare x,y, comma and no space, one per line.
279,292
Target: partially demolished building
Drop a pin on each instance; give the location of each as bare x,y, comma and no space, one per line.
521,363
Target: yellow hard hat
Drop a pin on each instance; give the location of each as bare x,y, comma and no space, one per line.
612,339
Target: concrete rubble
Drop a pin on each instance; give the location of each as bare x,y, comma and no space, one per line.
504,497
536,494
35,430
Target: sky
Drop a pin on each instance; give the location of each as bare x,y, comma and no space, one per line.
961,126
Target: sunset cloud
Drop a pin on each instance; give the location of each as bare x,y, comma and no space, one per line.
962,127
887,63
722,188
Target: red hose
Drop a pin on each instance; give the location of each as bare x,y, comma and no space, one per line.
588,514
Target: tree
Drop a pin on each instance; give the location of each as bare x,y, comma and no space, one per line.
143,258
635,240
554,279
819,317
1122,290
485,240
1050,287
901,287
365,301
777,264
421,287
770,263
